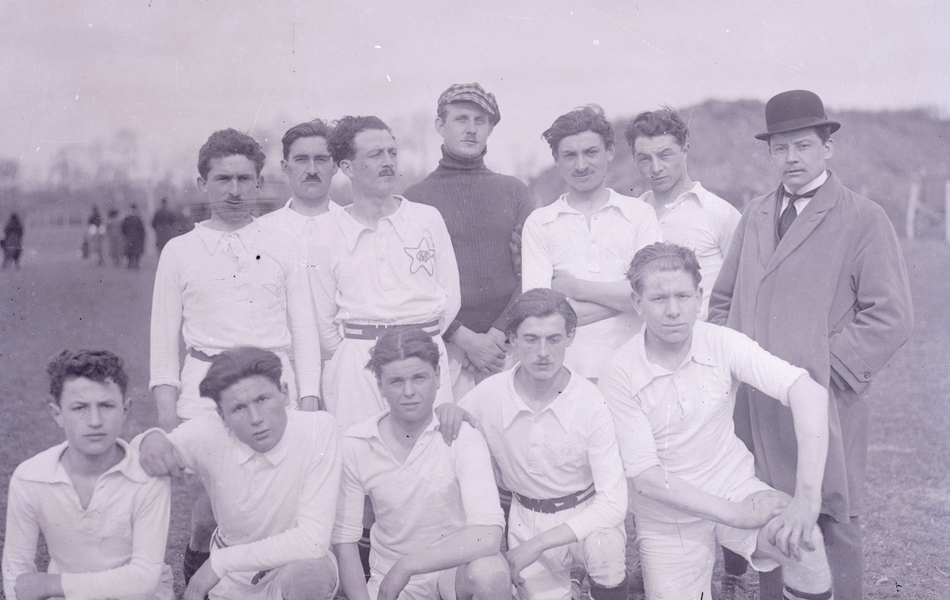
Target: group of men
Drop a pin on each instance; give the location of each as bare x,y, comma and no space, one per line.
462,341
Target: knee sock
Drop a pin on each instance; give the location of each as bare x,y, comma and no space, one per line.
793,594
617,592
732,563
363,547
192,561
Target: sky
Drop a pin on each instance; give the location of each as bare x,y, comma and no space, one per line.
174,71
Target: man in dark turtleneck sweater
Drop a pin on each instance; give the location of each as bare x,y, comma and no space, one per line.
484,212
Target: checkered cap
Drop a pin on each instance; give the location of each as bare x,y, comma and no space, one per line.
471,92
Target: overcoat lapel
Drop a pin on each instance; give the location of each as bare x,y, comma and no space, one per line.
812,216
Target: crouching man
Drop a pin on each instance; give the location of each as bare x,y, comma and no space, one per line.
552,439
273,477
104,520
437,532
671,389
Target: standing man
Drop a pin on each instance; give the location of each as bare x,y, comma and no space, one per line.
582,243
227,283
382,261
815,275
552,438
133,230
309,169
165,224
484,212
689,215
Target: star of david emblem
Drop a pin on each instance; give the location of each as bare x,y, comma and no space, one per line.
423,257
277,289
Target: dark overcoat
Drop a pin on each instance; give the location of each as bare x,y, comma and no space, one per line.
832,297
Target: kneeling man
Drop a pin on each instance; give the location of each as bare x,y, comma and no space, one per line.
104,520
437,533
672,392
272,476
552,439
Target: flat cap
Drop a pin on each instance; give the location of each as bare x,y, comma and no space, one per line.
471,92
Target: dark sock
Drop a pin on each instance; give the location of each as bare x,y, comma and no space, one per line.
733,563
363,547
617,592
192,561
793,594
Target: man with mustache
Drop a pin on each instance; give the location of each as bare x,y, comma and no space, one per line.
815,275
227,283
382,261
582,243
484,212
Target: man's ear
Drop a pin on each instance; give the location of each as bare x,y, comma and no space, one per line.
686,149
260,181
284,165
55,411
126,406
610,153
202,185
346,167
637,302
440,126
829,148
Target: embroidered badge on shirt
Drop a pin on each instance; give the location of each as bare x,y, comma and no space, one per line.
423,257
278,289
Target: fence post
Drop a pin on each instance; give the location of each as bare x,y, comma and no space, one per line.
946,211
911,222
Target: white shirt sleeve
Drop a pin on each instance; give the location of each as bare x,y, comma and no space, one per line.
323,289
165,330
727,219
537,268
310,539
473,469
757,367
637,444
143,571
447,271
303,331
349,510
22,534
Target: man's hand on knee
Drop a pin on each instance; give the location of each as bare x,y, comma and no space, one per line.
792,530
201,583
758,509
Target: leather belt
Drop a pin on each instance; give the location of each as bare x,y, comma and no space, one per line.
199,355
552,505
372,331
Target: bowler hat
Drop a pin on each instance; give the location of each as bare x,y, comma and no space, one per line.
796,109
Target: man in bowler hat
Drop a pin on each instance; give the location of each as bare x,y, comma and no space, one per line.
815,275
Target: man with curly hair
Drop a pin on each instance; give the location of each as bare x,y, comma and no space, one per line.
227,283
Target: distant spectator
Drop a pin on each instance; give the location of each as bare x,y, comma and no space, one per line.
165,222
95,232
133,230
114,237
12,241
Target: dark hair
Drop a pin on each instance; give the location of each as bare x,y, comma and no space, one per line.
662,256
652,124
579,120
97,365
228,142
231,366
347,128
314,128
401,343
540,302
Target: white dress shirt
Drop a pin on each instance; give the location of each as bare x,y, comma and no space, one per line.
556,238
114,547
288,223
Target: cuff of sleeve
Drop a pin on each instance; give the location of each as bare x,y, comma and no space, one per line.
581,530
175,383
637,468
783,392
451,329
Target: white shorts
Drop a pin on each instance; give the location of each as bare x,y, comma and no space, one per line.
191,404
266,586
678,558
350,389
428,586
601,553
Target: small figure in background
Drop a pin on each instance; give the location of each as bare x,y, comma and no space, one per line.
12,241
114,237
95,232
165,224
133,230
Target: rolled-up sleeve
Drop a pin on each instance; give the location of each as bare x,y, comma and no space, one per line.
537,267
22,534
349,509
637,444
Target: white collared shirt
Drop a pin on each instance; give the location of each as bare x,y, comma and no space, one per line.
704,223
567,446
435,493
272,508
801,203
681,420
223,290
114,547
404,271
556,238
287,222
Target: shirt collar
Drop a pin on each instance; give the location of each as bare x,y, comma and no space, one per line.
811,185
562,406
562,207
48,466
214,239
352,229
696,192
369,429
298,222
643,372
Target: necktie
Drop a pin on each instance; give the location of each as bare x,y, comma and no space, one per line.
789,214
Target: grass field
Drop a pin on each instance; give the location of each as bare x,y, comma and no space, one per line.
56,301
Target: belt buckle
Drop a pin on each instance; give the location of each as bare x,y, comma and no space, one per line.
548,506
